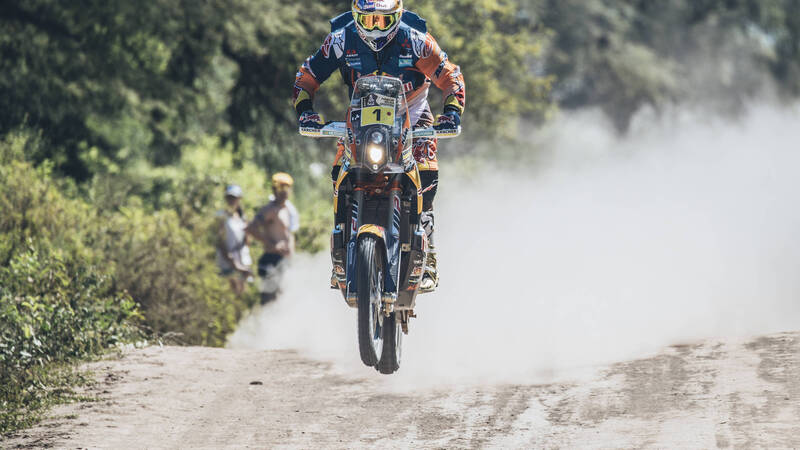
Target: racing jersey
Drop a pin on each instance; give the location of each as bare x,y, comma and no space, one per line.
412,56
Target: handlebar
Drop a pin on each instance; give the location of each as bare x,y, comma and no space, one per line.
339,130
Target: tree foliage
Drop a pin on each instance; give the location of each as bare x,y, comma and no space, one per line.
623,55
112,82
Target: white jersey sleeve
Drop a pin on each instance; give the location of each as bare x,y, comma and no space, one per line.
294,217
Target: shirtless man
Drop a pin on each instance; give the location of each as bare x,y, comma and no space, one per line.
274,226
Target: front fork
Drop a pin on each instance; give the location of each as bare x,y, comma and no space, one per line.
392,275
344,258
351,294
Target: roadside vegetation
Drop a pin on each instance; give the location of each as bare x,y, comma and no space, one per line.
122,122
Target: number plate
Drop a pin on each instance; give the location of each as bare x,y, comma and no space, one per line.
374,115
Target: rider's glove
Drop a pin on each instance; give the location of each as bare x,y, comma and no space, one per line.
450,120
310,119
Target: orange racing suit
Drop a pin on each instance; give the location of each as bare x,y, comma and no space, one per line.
413,56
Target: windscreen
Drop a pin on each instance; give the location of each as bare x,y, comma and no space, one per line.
378,101
377,115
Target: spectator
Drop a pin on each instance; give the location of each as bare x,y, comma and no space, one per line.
233,254
274,226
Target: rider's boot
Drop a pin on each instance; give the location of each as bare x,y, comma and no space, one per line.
334,280
337,256
430,279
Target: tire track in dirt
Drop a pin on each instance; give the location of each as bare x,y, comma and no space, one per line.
719,393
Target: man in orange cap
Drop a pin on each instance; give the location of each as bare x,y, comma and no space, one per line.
274,226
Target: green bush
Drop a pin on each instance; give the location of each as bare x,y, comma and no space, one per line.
52,310
83,268
56,303
172,276
157,231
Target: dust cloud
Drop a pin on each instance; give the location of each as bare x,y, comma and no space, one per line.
601,249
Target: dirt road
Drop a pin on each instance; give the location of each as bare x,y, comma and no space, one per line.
722,394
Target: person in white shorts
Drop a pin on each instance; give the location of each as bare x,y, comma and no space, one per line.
233,254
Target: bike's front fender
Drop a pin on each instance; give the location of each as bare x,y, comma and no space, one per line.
375,230
391,263
379,233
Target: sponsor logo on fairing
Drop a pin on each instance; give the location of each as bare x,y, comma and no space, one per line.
378,100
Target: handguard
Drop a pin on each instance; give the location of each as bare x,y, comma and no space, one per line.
439,134
331,129
339,130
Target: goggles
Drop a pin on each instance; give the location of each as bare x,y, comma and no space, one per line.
373,21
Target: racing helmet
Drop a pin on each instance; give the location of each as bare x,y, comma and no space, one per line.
377,21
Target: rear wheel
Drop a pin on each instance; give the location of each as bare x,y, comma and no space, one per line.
370,312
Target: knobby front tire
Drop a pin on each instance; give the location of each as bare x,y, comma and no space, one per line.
370,286
392,343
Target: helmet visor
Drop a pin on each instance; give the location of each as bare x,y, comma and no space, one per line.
372,21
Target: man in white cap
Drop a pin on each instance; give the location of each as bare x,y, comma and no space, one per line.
233,254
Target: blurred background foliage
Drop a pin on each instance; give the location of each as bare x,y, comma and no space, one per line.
122,121
108,84
623,55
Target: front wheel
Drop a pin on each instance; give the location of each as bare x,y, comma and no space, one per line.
392,343
371,320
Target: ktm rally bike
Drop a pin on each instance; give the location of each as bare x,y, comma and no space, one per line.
378,246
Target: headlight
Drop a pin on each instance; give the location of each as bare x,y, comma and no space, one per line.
376,154
377,137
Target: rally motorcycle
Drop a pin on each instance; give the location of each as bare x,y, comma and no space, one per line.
378,246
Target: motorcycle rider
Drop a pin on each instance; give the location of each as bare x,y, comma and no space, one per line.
381,38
